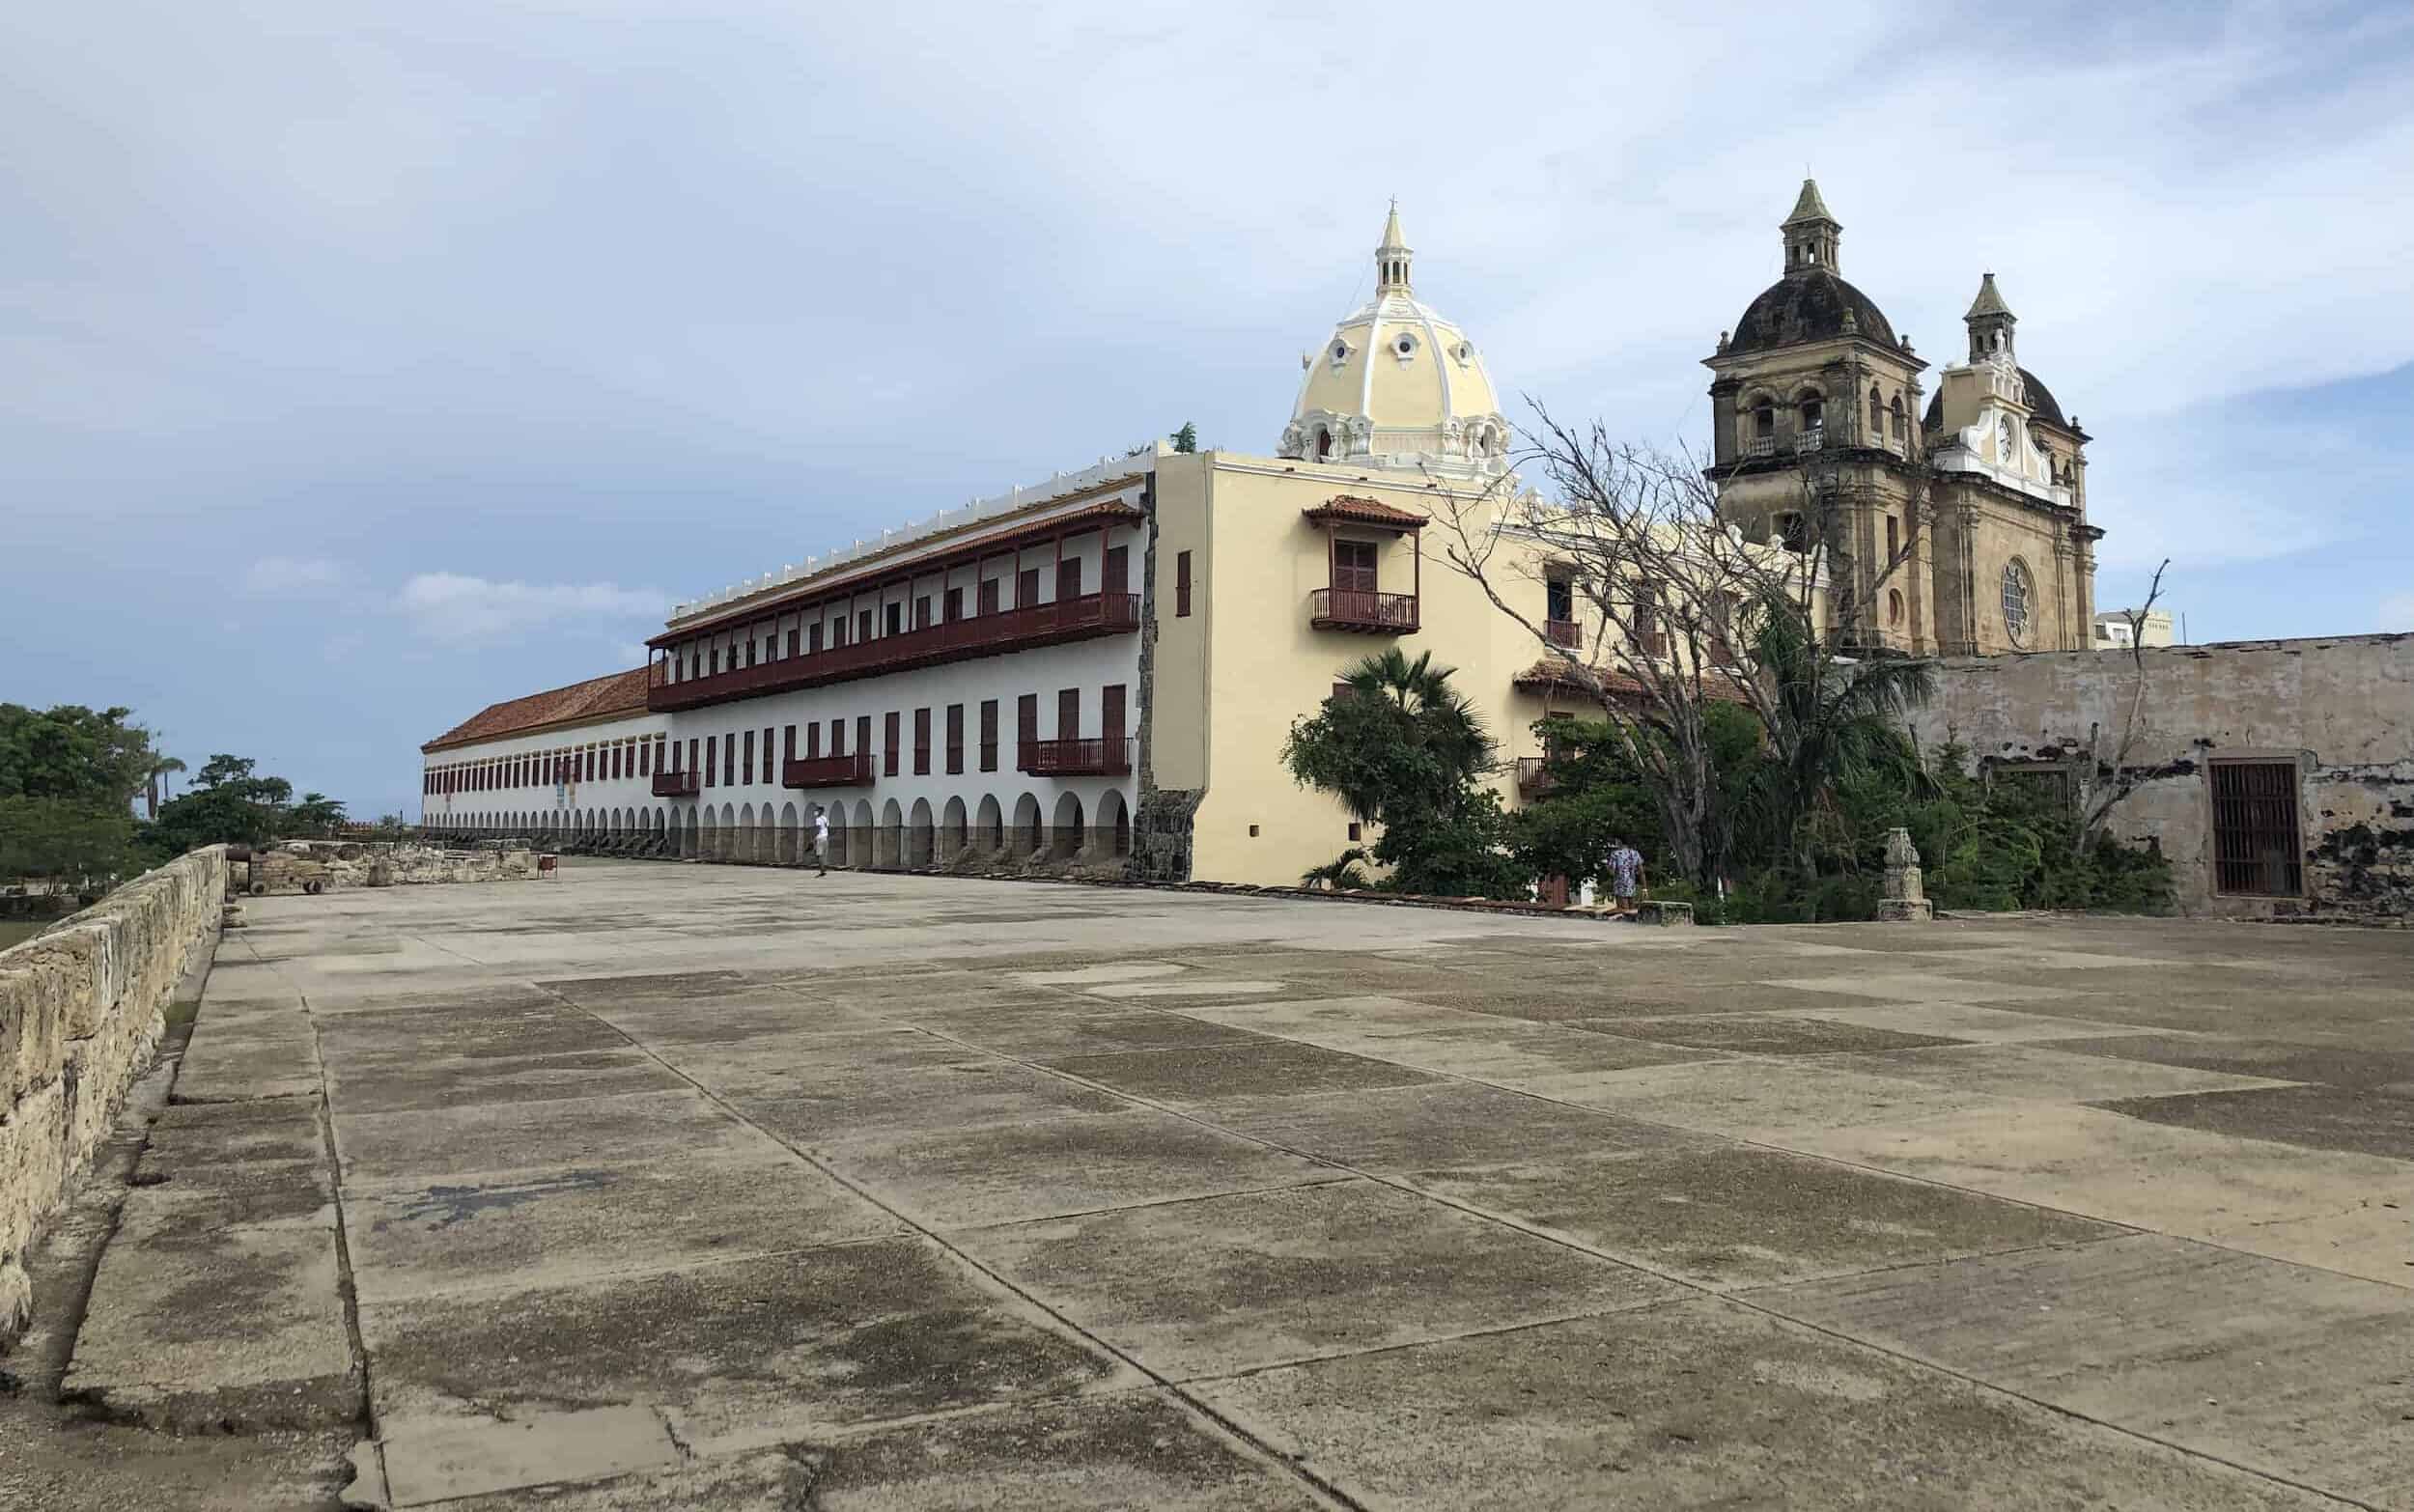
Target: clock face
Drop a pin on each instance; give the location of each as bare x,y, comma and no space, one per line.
2007,441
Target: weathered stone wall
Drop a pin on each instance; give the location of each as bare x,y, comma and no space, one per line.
2340,708
323,865
83,1007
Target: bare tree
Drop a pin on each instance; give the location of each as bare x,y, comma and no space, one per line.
2106,782
1689,611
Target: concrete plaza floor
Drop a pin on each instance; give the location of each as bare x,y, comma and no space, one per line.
679,1186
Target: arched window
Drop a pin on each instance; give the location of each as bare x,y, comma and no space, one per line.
1893,606
1877,413
1810,409
1324,443
1894,413
1763,419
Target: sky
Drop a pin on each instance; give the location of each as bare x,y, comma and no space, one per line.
361,365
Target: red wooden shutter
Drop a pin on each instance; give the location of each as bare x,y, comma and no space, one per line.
1069,713
1026,727
890,724
813,740
922,742
1069,579
989,735
1110,716
749,767
1181,584
987,601
922,612
955,740
1027,587
1118,574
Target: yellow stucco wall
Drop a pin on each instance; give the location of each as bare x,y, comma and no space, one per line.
1264,665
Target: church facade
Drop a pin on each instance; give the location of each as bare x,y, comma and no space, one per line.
1097,673
1953,524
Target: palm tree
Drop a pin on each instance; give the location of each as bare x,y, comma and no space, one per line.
1832,724
160,765
1441,720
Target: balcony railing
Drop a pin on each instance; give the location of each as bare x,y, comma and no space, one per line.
1565,634
1075,758
1534,777
1353,609
676,784
960,640
828,771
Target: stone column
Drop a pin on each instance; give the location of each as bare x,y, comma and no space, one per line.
1906,897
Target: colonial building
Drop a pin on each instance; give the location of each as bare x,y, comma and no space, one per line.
1956,528
1097,672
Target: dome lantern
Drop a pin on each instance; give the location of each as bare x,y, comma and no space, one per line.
1398,385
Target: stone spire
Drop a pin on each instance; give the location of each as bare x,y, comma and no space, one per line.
1811,233
1990,322
1391,258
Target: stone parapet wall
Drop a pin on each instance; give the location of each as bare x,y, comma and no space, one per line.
82,1006
323,865
2340,708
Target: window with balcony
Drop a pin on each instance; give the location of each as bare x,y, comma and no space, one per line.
955,604
1068,579
1558,613
1117,577
1025,724
922,612
1027,587
862,735
892,619
985,600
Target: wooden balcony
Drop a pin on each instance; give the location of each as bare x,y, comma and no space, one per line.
828,771
960,640
1075,758
1567,633
1533,776
1372,613
676,784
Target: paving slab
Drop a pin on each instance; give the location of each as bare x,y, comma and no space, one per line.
1763,1033
1752,1100
219,1313
1235,1283
2273,1366
418,1239
1699,1404
1200,1076
1972,1021
1724,1216
1046,1167
788,1065
436,1080
2123,1170
1436,1125
2361,1068
1054,1033
232,1065
894,1102
2041,1071
2320,1118
428,1144
738,1356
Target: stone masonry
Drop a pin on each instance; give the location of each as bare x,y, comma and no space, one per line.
82,1006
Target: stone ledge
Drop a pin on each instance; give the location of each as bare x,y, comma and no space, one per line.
81,1010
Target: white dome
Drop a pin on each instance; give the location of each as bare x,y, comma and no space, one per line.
1397,385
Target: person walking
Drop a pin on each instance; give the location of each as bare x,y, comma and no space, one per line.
1626,877
821,839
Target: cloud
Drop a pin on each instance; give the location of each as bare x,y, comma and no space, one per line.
454,609
294,576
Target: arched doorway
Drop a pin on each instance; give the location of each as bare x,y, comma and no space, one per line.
989,826
951,832
920,848
863,850
791,851
888,848
1114,823
1064,833
1027,838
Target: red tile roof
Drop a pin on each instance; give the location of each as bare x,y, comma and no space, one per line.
915,558
596,698
1556,672
1350,510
